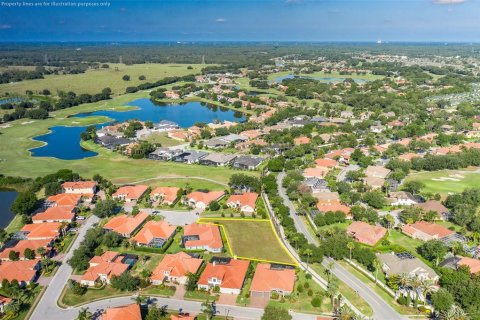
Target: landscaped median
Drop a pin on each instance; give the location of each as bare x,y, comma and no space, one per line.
252,239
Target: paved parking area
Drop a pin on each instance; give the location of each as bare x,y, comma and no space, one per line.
176,218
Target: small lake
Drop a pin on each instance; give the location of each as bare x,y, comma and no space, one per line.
64,142
323,79
6,200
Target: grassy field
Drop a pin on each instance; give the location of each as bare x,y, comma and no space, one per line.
163,139
447,181
397,238
253,239
16,140
93,81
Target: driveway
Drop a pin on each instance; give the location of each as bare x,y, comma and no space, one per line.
176,218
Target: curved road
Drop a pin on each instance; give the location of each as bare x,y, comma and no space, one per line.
381,309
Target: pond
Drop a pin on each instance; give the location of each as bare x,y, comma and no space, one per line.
6,199
323,79
64,142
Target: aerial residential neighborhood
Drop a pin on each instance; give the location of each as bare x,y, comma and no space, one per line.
248,160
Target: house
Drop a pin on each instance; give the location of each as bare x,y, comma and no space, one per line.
24,271
165,195
218,159
40,231
316,184
126,225
216,143
21,245
244,202
333,206
154,234
182,317
426,231
190,156
317,172
166,125
301,140
402,198
111,142
247,162
227,274
374,183
63,200
129,312
164,154
4,302
201,200
202,237
365,233
103,268
434,205
175,268
377,172
456,262
80,187
251,134
271,278
55,214
130,193
326,163
405,263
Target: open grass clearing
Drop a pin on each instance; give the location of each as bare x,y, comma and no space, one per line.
446,182
253,239
93,81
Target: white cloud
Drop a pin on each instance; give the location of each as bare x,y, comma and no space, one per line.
5,26
221,20
293,1
449,1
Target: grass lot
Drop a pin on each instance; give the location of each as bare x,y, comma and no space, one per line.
93,81
15,159
200,295
163,139
300,300
14,225
398,239
253,239
348,293
455,181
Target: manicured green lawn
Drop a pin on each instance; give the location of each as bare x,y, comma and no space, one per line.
347,292
15,159
447,181
93,81
397,238
300,300
163,139
71,299
255,240
14,225
200,295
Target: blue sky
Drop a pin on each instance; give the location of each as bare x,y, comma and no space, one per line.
244,20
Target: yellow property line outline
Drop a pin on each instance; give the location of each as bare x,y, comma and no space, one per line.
202,220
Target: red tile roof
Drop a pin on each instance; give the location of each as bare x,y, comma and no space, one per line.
79,185
65,199
169,194
267,279
61,213
317,172
24,244
209,235
46,230
301,140
432,229
205,197
327,163
246,199
130,312
366,233
232,274
154,229
107,256
178,265
131,192
109,269
23,270
334,205
124,224
473,264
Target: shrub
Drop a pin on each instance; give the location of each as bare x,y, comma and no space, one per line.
274,295
300,288
310,292
316,302
306,285
402,300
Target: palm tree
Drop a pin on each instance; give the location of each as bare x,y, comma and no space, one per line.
404,280
332,289
350,247
378,265
416,284
390,222
427,286
42,251
13,307
328,270
140,299
457,247
84,314
308,252
455,313
208,309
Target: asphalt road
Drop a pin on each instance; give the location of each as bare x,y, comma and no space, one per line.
381,309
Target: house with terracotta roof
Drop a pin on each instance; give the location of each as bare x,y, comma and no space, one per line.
326,163
270,278
317,172
64,200
165,195
246,202
175,268
55,214
24,271
301,140
181,317
202,236
333,206
130,193
154,234
21,245
80,187
365,233
126,225
4,301
443,213
374,183
129,312
39,231
103,268
455,262
226,274
426,231
201,200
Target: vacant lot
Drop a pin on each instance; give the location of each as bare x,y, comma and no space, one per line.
16,140
448,181
93,81
253,239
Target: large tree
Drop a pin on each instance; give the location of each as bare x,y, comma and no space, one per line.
276,313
